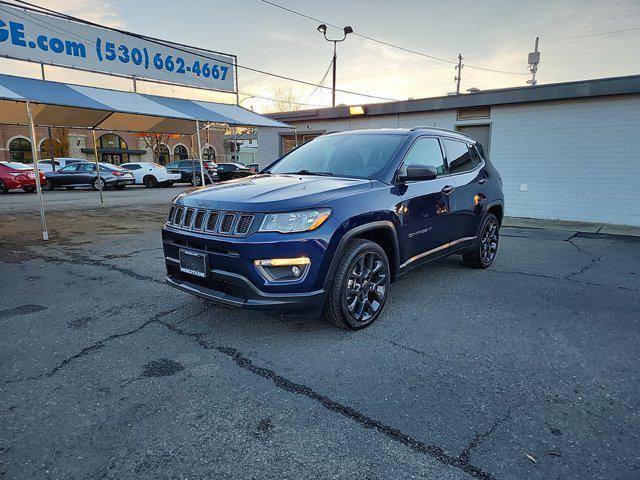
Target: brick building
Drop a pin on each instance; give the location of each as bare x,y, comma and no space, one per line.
113,147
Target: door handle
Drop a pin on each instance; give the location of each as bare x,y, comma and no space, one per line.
482,181
447,189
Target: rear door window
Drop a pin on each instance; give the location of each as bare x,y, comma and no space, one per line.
458,156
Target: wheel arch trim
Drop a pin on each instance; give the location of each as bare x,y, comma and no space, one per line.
353,232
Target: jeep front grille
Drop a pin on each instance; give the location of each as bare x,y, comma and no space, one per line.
210,221
227,223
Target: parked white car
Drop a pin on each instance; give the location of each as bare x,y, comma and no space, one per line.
46,165
151,174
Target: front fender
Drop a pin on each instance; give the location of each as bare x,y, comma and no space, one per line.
354,227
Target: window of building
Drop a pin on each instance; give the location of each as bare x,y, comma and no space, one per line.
161,154
180,152
112,141
458,156
20,150
208,153
470,113
288,142
426,151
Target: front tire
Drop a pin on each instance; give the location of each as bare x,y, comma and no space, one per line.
3,188
484,251
196,181
359,290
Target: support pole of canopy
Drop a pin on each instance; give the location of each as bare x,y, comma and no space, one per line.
36,172
95,153
200,152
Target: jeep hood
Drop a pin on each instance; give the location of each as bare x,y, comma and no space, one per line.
271,193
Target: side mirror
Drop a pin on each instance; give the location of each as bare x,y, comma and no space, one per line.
416,172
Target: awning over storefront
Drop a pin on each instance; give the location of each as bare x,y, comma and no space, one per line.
64,105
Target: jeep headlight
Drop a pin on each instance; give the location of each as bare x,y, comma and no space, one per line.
291,222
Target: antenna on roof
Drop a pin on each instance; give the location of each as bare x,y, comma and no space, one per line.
534,60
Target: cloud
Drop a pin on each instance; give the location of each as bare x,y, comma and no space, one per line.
94,11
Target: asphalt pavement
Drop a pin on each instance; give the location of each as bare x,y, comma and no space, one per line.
526,370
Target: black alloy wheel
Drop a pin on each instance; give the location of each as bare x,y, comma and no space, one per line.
150,181
489,241
360,286
366,287
484,251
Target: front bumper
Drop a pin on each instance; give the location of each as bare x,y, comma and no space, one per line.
232,278
235,290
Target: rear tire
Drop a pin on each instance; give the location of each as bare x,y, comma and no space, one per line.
150,181
484,251
196,181
359,290
3,188
98,184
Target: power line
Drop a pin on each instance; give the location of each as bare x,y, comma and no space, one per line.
389,44
633,30
182,49
88,40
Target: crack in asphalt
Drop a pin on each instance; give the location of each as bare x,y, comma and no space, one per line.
465,456
594,259
285,384
84,260
100,344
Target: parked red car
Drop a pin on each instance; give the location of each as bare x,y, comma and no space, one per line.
18,175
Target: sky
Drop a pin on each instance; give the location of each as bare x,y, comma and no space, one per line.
492,34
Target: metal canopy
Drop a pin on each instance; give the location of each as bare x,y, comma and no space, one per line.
64,105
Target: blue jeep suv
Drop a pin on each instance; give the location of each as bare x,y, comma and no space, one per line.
326,228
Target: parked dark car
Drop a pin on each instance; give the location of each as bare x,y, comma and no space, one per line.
189,171
15,175
229,171
329,226
254,167
84,174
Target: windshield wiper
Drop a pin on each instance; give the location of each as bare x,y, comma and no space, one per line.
308,172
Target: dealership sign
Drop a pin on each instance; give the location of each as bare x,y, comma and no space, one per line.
36,37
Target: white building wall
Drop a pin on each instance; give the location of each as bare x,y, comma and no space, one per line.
269,144
579,159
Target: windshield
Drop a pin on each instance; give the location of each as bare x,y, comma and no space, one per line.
353,156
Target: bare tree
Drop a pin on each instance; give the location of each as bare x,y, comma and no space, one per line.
154,140
60,140
285,100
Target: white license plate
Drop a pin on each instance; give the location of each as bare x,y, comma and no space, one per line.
193,263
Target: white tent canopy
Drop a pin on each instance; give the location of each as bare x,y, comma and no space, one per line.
64,105
32,102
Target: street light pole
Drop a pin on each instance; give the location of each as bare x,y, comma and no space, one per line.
322,28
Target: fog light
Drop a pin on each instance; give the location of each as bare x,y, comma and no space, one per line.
283,269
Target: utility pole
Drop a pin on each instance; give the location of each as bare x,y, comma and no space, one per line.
333,88
346,31
458,76
534,60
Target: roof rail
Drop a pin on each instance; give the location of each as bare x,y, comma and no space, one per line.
423,127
